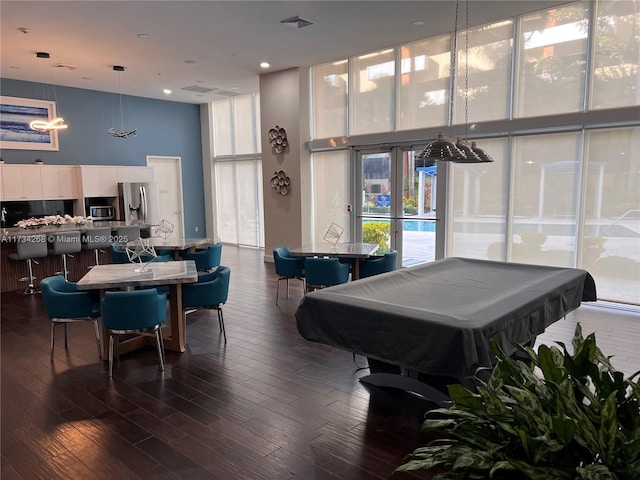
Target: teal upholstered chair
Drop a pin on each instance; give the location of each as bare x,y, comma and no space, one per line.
210,291
376,265
287,267
325,272
134,311
64,304
206,258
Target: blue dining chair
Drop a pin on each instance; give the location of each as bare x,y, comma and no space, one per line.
64,304
206,258
117,253
325,272
287,267
134,311
376,265
210,291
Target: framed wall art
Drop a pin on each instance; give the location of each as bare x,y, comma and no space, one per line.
15,116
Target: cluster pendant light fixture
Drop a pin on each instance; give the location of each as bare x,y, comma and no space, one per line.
120,132
49,125
442,149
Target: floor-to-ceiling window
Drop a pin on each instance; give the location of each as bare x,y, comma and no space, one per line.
237,171
561,190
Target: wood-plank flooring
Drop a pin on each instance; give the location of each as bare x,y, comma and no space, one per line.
267,405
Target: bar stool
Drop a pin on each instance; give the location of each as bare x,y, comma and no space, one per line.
96,239
28,248
127,234
65,243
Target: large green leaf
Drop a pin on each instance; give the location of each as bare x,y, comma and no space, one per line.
608,428
551,370
464,398
564,428
595,472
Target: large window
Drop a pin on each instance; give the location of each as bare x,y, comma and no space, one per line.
424,83
373,107
332,192
484,75
553,55
330,85
479,195
616,54
237,171
560,191
611,244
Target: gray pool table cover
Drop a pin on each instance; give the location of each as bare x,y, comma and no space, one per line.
439,317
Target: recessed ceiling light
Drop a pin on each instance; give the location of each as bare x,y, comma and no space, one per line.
166,91
143,35
87,78
190,62
417,23
264,65
233,88
24,30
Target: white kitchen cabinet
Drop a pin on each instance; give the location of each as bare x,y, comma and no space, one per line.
135,174
99,181
22,182
59,181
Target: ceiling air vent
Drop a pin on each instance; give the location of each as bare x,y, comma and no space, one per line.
223,93
68,67
296,22
198,89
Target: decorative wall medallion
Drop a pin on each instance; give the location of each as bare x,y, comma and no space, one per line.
278,139
280,182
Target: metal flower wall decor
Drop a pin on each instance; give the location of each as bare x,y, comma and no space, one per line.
280,182
278,139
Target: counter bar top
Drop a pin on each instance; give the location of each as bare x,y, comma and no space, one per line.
11,234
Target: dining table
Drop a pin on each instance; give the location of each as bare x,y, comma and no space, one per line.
356,251
175,244
130,275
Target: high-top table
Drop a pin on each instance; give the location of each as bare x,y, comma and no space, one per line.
354,250
129,275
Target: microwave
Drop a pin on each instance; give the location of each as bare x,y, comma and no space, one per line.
101,212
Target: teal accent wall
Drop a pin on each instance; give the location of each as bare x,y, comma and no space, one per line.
163,128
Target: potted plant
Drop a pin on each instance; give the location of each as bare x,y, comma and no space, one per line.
557,416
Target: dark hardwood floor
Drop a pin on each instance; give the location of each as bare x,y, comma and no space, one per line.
267,405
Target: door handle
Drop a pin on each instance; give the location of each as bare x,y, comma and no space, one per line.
177,213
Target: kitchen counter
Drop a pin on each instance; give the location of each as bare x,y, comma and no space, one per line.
13,233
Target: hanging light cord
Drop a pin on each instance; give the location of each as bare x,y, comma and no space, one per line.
454,67
114,132
466,74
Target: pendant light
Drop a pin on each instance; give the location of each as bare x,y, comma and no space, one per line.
56,123
443,149
120,132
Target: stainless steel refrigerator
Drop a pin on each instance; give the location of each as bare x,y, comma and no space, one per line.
138,202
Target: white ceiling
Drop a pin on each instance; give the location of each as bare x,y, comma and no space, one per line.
211,44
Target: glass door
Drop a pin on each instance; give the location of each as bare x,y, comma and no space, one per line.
396,204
